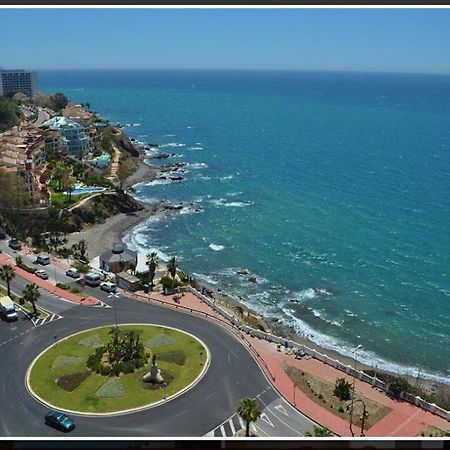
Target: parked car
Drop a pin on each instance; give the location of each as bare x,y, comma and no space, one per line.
43,260
108,287
15,244
60,421
41,274
72,273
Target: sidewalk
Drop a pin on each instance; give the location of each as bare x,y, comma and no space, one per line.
404,419
66,295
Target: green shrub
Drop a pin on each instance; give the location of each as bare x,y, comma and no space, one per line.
320,397
82,268
169,283
23,266
104,370
341,409
74,290
342,389
63,286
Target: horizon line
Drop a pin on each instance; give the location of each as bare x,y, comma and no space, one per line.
236,69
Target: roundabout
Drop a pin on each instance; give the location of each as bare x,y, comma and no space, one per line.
106,371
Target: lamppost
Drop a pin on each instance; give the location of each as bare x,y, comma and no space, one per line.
364,415
353,388
115,296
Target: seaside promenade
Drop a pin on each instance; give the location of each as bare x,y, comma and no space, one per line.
403,419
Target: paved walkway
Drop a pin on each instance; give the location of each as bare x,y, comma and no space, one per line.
404,419
66,295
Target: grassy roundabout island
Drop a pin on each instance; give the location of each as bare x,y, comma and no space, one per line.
102,370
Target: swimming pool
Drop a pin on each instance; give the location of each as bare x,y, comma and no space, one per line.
78,190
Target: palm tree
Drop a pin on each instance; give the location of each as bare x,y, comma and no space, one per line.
31,294
249,411
152,263
320,432
19,261
7,274
172,266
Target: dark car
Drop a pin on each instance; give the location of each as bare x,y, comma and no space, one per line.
2,233
60,421
15,244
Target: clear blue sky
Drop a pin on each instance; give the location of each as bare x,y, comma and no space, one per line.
400,40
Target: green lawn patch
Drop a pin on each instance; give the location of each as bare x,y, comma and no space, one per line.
62,361
92,341
52,377
160,341
176,356
111,388
70,382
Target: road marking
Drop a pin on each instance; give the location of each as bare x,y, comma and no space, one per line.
222,430
279,418
44,321
282,410
233,430
264,417
15,337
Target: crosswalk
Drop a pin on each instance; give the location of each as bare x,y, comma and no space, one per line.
229,428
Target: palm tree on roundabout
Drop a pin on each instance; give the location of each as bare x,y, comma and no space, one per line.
31,294
249,411
319,432
152,263
7,274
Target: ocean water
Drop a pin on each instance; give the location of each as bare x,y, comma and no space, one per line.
334,181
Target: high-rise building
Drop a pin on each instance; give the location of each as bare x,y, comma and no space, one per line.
19,80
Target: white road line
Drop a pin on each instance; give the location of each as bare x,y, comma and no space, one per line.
233,430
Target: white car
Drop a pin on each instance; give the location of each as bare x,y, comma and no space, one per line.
41,274
108,287
72,273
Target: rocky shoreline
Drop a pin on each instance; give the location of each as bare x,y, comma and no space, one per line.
102,236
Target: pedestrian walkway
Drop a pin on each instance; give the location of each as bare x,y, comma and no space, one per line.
405,419
228,428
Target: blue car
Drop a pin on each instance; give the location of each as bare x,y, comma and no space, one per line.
60,421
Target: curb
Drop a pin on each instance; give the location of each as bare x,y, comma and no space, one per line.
125,411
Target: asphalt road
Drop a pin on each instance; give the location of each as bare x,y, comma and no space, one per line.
233,374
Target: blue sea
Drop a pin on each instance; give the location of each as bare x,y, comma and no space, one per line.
332,189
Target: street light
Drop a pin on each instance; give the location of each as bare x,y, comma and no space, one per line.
353,388
116,296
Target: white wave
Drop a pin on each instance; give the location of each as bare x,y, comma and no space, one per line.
189,128
198,165
216,247
226,177
223,202
233,194
158,182
198,143
172,144
195,148
169,135
190,210
205,278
